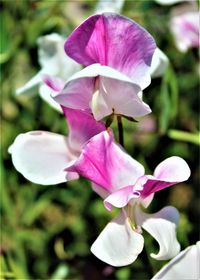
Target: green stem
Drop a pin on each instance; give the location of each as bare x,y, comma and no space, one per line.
184,136
120,130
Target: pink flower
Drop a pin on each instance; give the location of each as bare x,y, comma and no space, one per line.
118,54
185,28
120,180
41,156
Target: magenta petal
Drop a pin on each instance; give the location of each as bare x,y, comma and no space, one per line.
169,172
104,162
112,40
82,126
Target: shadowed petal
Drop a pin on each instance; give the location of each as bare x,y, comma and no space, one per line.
41,157
184,266
162,226
106,164
118,244
97,39
82,126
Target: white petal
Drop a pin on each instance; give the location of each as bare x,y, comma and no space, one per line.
30,85
100,105
159,63
41,157
162,226
118,244
112,6
46,94
184,266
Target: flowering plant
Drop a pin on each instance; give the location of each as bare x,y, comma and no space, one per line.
117,54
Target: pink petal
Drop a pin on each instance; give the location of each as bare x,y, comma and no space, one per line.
42,156
82,126
104,162
118,244
120,198
77,94
162,226
55,83
97,39
171,171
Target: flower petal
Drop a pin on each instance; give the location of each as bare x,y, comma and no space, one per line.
162,226
123,98
106,164
109,6
97,39
159,63
184,266
118,244
169,172
55,83
82,126
77,94
120,198
46,94
41,157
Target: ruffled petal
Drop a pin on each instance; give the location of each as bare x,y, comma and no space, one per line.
162,226
120,198
106,164
118,244
82,126
169,172
97,39
184,266
41,157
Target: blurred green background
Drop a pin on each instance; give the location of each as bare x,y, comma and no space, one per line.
47,231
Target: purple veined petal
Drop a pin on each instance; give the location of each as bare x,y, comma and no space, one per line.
97,39
82,126
55,83
105,163
169,172
41,157
118,244
46,94
184,266
120,198
162,226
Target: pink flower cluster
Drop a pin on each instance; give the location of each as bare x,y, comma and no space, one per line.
117,55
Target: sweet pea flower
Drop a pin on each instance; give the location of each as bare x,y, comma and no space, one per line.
185,28
53,61
184,266
41,156
120,181
159,63
118,54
